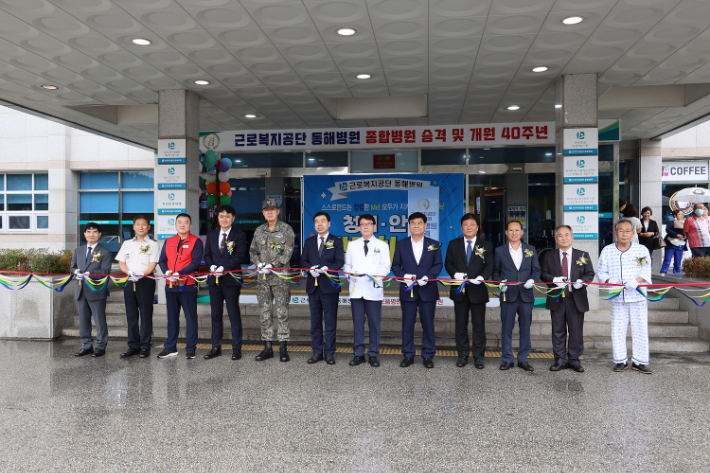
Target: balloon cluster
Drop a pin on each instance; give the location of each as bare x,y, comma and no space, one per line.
216,169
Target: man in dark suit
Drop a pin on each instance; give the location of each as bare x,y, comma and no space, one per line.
470,258
516,262
322,252
567,310
224,251
87,259
418,259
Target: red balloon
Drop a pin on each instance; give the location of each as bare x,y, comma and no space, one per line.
224,188
212,187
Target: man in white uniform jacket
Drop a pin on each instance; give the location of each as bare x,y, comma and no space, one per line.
367,255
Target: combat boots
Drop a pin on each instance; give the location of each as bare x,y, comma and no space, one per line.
283,352
266,353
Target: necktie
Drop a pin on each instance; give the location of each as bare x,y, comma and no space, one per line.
88,253
468,252
366,242
565,270
223,245
320,248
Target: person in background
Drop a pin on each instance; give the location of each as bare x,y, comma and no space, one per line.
649,230
631,215
676,243
622,205
697,231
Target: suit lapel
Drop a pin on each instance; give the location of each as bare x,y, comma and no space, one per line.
558,260
82,258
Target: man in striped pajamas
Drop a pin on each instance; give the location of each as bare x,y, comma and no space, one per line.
629,264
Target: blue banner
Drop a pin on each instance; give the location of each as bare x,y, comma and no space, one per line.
386,197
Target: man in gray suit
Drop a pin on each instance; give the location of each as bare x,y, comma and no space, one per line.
88,259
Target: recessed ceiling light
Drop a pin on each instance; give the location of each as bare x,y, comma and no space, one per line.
141,41
573,20
237,160
539,69
481,172
558,105
202,82
548,154
311,159
363,76
50,87
249,115
514,107
347,31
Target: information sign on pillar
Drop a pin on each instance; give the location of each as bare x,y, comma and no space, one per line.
170,178
580,178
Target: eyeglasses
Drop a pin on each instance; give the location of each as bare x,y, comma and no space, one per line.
624,231
365,225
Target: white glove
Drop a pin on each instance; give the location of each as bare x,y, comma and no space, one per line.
314,271
529,284
409,279
132,277
78,275
218,272
459,275
86,274
213,269
423,280
266,269
173,277
322,270
559,281
503,286
476,281
578,284
632,285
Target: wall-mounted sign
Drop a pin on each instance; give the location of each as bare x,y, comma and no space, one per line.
585,225
519,213
678,171
609,130
165,226
426,201
170,176
581,197
580,142
383,161
172,151
171,201
581,169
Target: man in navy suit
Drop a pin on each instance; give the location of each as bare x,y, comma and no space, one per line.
516,262
418,259
322,252
225,249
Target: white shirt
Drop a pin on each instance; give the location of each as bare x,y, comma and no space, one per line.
473,246
418,248
569,264
320,242
139,254
517,255
376,263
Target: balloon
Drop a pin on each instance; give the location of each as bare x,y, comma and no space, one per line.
211,176
223,177
202,182
229,193
211,158
226,162
225,200
199,192
224,188
212,188
211,200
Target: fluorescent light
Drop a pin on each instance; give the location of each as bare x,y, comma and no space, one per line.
539,69
548,154
363,76
558,105
249,115
202,82
141,41
347,31
311,159
237,160
481,172
50,87
573,20
514,107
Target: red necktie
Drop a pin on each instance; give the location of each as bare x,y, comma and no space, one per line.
565,270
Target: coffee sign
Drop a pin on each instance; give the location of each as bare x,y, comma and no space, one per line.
679,171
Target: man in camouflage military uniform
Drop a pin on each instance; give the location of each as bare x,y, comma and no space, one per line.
272,247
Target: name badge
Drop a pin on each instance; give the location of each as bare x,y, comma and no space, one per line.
186,246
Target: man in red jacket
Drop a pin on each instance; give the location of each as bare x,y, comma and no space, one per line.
180,257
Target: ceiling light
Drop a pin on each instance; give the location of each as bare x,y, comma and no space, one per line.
548,154
573,20
141,41
514,107
202,82
558,105
50,87
237,160
311,159
539,69
347,31
481,172
249,115
363,76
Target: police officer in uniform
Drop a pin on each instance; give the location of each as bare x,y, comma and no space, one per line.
272,247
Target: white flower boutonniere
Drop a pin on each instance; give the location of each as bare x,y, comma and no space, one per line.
479,251
376,250
329,245
230,246
144,249
581,261
432,248
95,257
528,253
641,261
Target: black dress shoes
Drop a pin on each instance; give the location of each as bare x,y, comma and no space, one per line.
374,362
330,359
406,362
642,368
462,361
237,354
145,353
266,353
478,363
213,353
283,352
315,358
98,352
84,352
525,366
558,367
506,366
428,363
619,367
131,352
357,360
577,368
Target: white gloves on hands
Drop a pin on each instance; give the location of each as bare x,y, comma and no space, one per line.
78,274
423,280
314,272
218,271
503,286
632,285
459,276
578,284
172,277
559,281
409,279
264,269
133,277
476,281
529,284
213,269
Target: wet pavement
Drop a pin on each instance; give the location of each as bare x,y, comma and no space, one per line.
61,413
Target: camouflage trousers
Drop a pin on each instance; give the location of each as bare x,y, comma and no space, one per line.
273,299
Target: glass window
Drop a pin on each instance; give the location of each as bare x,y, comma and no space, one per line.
20,222
2,182
17,202
606,152
320,159
137,180
41,202
42,221
98,202
98,180
41,182
434,157
137,202
2,202
266,160
19,182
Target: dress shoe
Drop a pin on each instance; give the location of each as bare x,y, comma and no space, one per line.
478,363
374,362
237,354
213,353
462,361
525,366
406,362
315,358
266,353
577,368
558,367
190,355
619,367
145,353
428,363
506,366
84,352
330,359
283,352
98,352
357,360
642,368
130,352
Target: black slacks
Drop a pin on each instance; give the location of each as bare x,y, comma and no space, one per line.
478,322
567,318
139,305
219,293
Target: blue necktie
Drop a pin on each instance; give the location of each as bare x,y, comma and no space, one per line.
88,253
468,253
